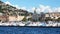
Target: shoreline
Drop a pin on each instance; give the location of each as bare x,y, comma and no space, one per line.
32,24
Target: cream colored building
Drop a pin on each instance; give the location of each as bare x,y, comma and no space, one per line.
53,15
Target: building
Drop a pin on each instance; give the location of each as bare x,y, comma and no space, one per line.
35,16
53,15
42,16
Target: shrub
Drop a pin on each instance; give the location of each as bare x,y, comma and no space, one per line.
24,19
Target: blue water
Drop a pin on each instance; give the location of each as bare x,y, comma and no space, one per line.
28,30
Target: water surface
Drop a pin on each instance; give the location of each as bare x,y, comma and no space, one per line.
28,30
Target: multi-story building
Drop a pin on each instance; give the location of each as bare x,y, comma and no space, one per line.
53,15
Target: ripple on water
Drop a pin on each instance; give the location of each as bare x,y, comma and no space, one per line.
28,30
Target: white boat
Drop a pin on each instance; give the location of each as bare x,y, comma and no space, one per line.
4,24
58,24
51,23
21,24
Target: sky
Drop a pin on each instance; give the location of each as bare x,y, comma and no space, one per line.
30,5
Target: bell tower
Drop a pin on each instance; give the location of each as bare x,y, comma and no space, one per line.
35,10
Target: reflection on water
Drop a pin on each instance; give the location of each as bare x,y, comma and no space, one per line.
28,30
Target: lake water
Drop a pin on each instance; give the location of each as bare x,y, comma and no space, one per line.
29,30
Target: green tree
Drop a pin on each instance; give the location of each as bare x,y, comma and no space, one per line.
30,19
48,19
0,9
58,19
24,19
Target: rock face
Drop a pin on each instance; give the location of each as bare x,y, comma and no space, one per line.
12,13
3,18
14,18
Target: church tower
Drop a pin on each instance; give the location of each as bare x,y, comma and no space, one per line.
35,11
35,15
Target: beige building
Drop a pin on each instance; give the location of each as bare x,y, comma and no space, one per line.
54,15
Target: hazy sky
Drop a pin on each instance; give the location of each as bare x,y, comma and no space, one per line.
30,4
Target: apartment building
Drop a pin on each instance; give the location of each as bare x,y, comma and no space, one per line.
54,15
